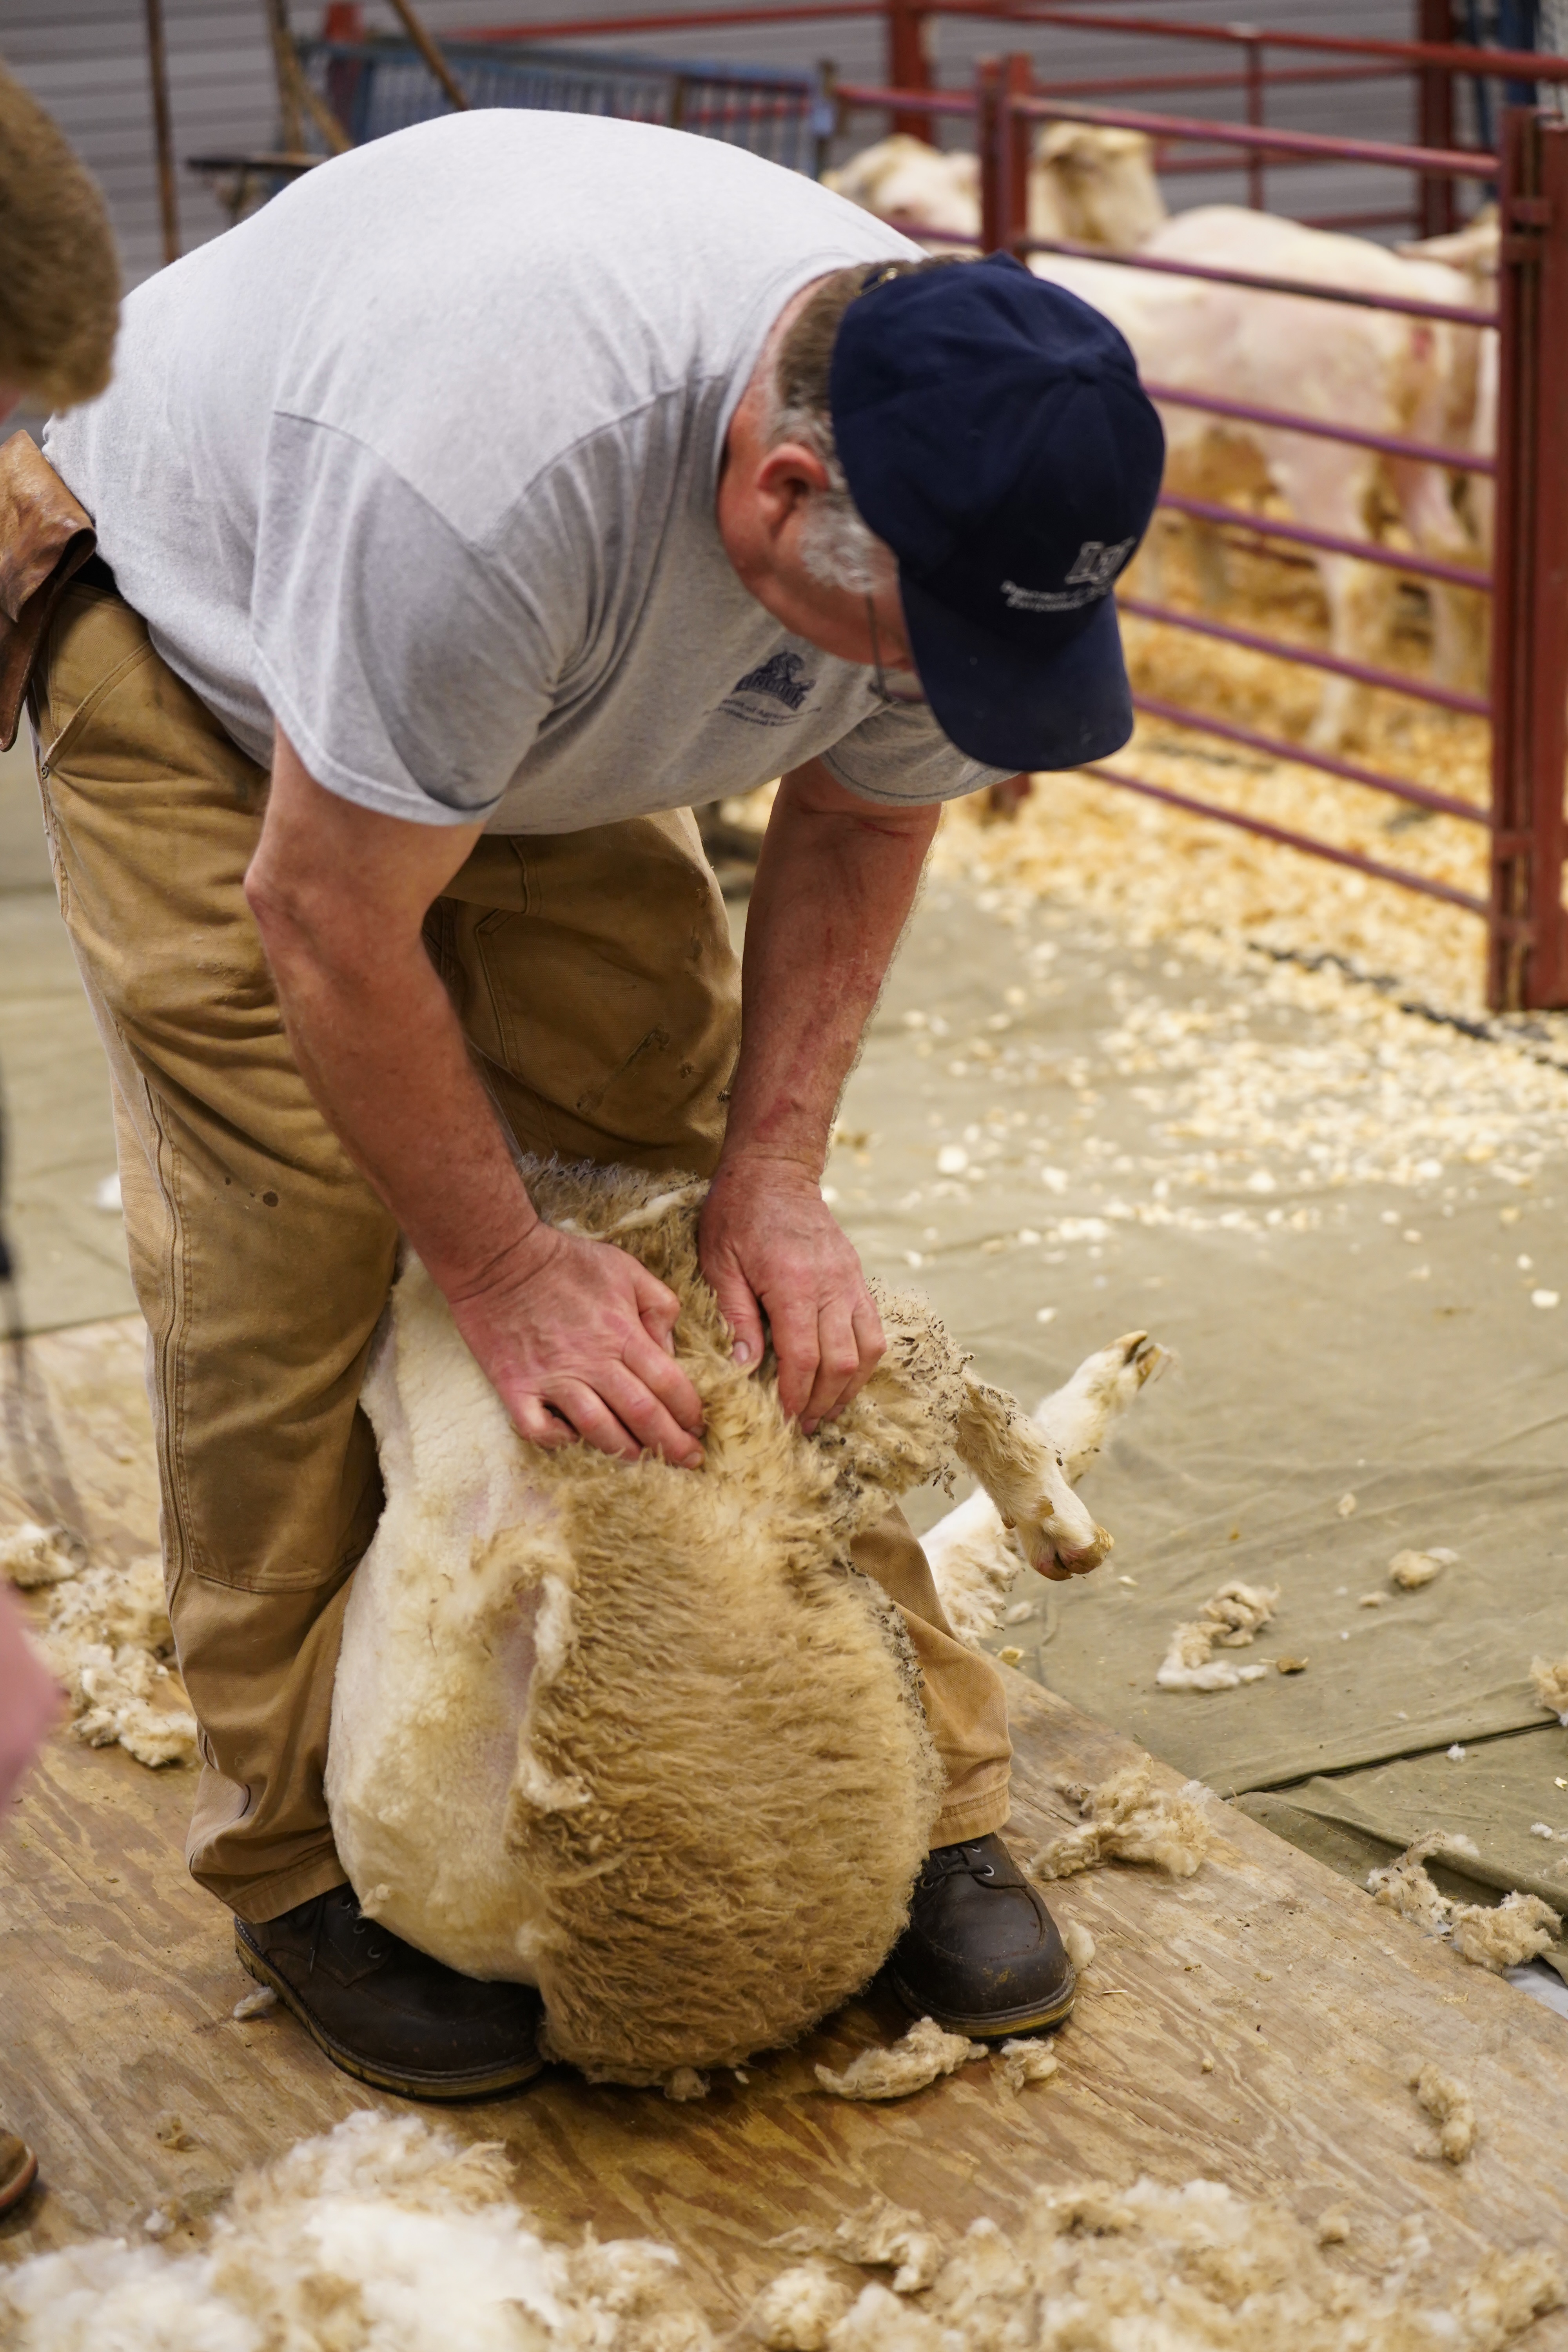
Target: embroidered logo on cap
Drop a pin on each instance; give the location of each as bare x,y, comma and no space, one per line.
1094,567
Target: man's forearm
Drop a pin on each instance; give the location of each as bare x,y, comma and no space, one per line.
835,884
384,1055
371,1028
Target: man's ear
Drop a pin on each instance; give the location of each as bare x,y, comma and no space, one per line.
787,476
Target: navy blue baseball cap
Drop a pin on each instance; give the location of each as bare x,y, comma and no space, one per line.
995,435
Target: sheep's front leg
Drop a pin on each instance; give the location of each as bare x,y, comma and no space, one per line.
973,1555
1077,1418
1026,1479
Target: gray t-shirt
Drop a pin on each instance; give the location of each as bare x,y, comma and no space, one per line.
421,462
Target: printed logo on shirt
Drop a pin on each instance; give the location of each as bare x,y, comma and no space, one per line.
780,679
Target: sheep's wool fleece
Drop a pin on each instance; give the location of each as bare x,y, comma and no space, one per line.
381,2236
1231,1619
1127,1819
386,2235
924,2054
582,1708
1550,1677
107,1638
1152,2269
1495,1936
1451,2108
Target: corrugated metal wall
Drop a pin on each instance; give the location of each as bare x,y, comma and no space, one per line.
87,60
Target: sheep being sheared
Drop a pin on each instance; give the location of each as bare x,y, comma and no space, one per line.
618,1729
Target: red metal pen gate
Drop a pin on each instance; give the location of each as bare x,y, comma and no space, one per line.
1527,702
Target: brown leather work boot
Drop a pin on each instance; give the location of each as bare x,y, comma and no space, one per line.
981,1953
387,2014
18,2171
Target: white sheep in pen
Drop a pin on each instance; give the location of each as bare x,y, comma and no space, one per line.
619,1729
1381,372
1086,184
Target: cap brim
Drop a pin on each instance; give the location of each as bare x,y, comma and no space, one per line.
1013,706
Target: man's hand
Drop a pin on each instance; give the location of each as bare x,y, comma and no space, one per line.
769,1246
575,1338
835,883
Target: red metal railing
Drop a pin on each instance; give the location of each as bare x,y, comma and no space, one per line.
1527,927
1528,703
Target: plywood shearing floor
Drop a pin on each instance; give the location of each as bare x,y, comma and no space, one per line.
118,1982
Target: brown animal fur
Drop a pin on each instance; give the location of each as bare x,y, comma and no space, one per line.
59,278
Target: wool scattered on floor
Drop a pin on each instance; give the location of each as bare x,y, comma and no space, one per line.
1017,2062
1493,1935
1411,1570
32,1555
923,2055
884,2237
106,1636
1503,1936
254,2004
1231,1619
1550,1677
685,2083
1091,2268
1079,1944
1451,2108
385,2235
798,2311
1129,1818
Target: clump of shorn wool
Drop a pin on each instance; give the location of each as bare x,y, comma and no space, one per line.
924,2054
1550,1677
1231,1619
1411,1570
1129,1818
32,1555
974,1555
1450,2107
106,1636
384,2235
921,2056
582,1708
1494,1936
1091,2268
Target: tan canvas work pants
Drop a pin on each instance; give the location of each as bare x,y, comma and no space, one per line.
595,981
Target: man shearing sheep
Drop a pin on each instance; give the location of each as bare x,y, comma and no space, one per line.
500,490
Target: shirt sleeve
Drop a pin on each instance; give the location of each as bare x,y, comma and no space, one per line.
410,673
900,754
